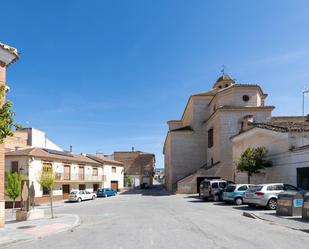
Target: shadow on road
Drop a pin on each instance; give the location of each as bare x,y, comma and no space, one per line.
155,190
247,208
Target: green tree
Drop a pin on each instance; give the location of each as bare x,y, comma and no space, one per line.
253,161
129,180
47,181
7,122
13,186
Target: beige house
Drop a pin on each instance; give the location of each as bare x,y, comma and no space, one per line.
286,139
198,145
138,165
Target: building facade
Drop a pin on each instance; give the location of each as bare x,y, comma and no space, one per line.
198,145
138,167
113,171
72,172
8,55
29,138
286,140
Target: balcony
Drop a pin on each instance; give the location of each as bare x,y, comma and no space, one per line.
63,177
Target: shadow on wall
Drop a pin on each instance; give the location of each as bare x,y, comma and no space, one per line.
154,190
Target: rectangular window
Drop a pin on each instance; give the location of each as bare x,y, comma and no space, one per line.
210,138
66,172
113,169
14,166
47,167
81,187
95,171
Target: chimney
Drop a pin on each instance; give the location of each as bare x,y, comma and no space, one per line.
71,148
132,149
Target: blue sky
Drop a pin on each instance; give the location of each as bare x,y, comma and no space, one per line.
107,75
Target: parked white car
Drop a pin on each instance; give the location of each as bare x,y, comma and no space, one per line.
81,195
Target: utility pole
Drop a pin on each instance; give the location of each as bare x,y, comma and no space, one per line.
306,90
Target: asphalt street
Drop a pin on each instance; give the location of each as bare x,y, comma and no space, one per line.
154,219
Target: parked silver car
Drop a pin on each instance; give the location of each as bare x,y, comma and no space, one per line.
266,195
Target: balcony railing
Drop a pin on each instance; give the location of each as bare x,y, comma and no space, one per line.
77,177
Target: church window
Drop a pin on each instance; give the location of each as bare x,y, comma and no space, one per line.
210,138
245,98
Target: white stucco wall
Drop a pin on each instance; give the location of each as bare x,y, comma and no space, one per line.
110,176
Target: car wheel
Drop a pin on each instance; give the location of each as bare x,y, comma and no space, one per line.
79,199
216,198
93,197
272,204
238,201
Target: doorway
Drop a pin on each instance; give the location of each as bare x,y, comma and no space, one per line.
114,185
65,191
303,178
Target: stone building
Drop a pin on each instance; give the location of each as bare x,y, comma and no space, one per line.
29,137
8,55
198,145
286,140
138,165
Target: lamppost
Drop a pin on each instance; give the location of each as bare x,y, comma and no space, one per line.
306,90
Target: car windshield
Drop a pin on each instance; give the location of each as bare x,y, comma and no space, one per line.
73,193
222,184
255,188
230,188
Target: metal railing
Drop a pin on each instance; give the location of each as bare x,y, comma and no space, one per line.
77,177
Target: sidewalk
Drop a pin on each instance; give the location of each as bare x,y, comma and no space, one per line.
15,232
295,223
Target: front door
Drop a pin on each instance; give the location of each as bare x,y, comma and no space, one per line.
114,185
65,191
95,187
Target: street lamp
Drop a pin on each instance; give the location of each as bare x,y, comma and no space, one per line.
306,90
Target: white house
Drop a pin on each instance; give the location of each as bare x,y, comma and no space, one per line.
286,140
72,172
113,171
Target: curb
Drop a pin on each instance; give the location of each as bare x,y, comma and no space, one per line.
76,224
250,215
254,216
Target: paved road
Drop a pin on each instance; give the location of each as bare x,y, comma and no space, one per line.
153,219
